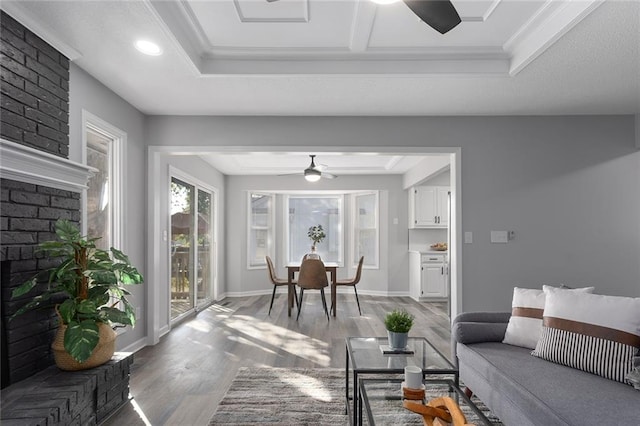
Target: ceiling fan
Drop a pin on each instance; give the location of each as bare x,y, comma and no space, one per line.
314,172
440,15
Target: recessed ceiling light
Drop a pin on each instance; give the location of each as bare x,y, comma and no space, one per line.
385,1
148,47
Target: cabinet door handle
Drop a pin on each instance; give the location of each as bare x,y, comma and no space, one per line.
435,219
442,270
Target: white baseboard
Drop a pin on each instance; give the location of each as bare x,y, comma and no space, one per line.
340,290
135,346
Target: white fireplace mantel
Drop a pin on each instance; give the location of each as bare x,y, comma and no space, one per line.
24,164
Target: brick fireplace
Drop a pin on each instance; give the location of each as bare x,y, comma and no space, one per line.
34,130
40,185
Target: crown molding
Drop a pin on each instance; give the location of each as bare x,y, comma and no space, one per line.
546,27
24,164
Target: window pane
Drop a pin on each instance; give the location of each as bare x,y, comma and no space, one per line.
182,234
261,214
305,212
98,193
366,229
204,246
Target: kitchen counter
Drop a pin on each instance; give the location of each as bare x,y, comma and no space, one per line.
429,251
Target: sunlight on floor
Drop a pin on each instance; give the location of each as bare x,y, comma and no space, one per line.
281,338
199,325
244,341
309,386
139,411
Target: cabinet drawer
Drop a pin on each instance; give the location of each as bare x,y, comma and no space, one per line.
432,258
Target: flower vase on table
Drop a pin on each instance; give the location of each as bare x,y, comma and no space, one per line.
313,254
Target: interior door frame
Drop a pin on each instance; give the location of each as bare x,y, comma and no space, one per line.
156,224
175,172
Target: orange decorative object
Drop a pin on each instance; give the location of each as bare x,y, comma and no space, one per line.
441,411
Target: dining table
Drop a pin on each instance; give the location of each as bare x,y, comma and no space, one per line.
292,268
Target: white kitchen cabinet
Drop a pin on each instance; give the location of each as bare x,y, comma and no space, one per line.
429,207
434,283
428,276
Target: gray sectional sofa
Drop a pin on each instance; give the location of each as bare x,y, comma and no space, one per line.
524,390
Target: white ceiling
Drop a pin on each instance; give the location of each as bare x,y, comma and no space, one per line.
352,57
349,57
337,163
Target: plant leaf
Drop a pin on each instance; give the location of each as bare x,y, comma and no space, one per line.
115,315
24,288
102,277
86,307
80,339
120,255
67,310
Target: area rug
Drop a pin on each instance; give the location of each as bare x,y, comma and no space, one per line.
299,396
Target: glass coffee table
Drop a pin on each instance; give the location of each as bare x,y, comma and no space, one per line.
381,402
365,357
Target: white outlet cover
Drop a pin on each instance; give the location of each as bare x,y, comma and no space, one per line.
499,236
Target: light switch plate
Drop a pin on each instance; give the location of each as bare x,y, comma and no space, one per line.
468,237
499,236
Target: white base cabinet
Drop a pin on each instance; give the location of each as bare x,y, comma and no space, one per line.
428,276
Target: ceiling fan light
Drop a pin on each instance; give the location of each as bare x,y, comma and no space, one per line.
312,175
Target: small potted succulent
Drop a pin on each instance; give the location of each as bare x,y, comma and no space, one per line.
316,234
89,283
398,323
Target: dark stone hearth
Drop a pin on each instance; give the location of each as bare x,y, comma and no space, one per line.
54,396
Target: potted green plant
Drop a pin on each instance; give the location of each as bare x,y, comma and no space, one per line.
398,323
316,234
91,283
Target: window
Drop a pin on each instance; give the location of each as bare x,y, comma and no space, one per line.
306,211
103,198
261,224
365,228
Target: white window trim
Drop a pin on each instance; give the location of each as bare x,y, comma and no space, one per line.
354,258
272,227
117,172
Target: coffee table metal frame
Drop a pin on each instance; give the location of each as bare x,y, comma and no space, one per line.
360,367
453,388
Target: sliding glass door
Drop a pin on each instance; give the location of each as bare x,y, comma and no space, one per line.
191,247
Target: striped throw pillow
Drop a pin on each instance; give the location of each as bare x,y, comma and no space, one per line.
525,324
591,332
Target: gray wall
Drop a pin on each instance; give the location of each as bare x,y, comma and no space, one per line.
567,185
87,93
390,278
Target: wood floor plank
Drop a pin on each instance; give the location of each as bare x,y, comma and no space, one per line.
181,380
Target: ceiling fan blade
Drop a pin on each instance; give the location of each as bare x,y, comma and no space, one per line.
328,176
438,14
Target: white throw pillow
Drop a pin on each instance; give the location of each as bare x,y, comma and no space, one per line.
591,332
527,307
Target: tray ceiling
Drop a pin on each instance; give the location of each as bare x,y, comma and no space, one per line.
351,57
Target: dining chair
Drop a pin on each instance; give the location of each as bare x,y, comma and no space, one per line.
352,282
312,276
277,282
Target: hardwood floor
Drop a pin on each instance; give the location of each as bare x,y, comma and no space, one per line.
181,380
